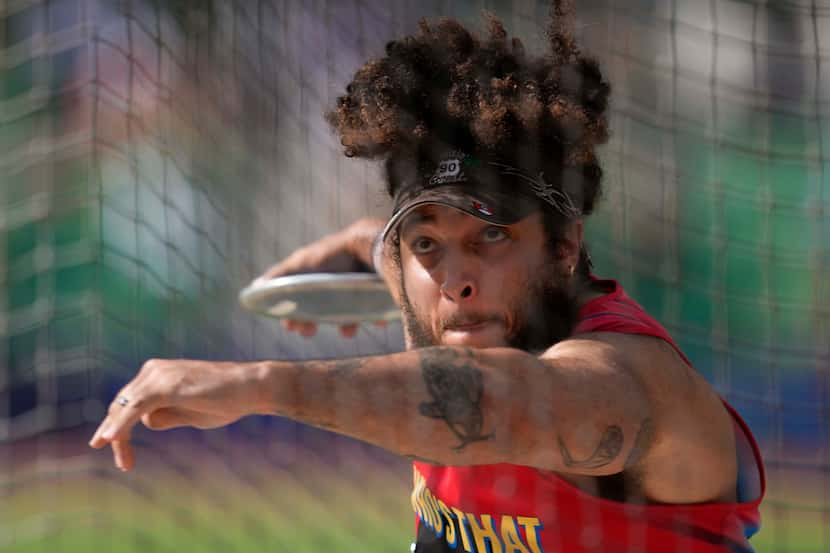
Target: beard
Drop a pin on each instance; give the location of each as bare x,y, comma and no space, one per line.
546,314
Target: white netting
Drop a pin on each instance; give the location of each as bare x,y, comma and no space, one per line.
156,156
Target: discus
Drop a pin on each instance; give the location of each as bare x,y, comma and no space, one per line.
322,298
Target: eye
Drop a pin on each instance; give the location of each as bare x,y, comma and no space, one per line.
422,245
494,234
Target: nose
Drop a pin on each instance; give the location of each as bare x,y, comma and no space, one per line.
459,281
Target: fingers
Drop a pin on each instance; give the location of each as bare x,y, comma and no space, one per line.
123,414
161,387
309,329
162,419
285,267
122,452
348,330
306,329
122,420
172,417
96,441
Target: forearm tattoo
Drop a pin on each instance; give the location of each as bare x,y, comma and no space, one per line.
609,447
456,387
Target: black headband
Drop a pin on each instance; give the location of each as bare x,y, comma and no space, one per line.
467,183
460,168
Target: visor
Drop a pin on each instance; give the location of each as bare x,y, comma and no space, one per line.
496,207
489,189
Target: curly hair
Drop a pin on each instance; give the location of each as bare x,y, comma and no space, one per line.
447,86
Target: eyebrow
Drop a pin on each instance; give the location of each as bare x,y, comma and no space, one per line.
415,220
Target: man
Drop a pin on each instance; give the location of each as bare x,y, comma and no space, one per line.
543,409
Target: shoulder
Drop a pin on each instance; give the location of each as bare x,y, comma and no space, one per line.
691,456
652,360
648,358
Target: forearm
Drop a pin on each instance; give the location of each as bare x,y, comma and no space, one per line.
383,400
446,404
362,236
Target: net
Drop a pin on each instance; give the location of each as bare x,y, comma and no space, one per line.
157,156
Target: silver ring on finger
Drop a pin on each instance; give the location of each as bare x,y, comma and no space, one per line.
122,401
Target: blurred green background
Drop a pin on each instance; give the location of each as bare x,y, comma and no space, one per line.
155,156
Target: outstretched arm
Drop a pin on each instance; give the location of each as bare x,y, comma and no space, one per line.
466,406
447,405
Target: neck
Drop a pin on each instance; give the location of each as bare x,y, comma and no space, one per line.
584,290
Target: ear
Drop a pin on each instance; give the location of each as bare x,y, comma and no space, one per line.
571,244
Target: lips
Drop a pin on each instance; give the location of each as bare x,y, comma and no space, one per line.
468,326
482,334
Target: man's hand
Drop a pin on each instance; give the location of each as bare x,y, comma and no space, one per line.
348,250
170,393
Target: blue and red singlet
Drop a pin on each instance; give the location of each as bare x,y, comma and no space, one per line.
506,508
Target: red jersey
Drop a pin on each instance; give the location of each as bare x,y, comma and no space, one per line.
507,508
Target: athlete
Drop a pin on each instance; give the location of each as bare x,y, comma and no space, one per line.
543,409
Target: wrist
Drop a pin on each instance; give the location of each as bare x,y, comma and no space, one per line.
360,239
260,379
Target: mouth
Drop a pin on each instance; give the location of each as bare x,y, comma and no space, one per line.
487,333
473,330
468,326
471,327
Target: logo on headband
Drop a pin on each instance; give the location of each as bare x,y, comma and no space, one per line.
449,170
482,208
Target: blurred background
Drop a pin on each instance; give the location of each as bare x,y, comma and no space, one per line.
157,155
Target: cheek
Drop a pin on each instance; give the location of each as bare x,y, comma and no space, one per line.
494,281
422,290
501,283
522,292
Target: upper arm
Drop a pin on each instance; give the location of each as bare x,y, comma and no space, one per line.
599,407
676,432
694,460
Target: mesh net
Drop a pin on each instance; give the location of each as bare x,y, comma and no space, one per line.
157,156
